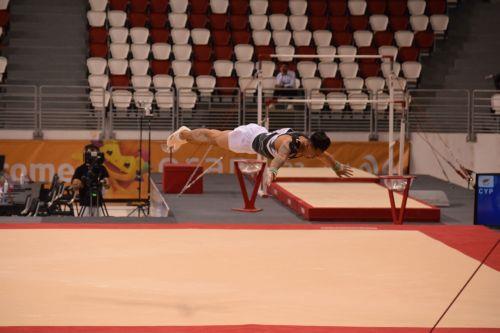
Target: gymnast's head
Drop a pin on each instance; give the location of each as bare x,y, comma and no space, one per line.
318,143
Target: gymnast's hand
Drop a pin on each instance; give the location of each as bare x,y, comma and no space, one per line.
343,170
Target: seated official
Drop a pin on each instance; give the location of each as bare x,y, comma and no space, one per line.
90,177
285,79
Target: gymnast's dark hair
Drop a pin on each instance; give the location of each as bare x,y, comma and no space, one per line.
320,140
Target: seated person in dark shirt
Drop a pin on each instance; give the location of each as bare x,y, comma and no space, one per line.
90,178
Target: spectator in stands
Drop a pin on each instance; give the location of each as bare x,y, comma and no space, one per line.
285,83
496,80
90,179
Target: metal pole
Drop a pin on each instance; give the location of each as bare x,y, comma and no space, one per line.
391,121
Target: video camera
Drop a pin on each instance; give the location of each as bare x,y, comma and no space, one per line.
93,157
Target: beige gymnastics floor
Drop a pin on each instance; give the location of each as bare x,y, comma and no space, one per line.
319,173
376,278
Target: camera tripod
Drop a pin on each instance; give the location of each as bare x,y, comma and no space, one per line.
142,206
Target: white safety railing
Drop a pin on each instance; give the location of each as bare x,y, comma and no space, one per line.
18,107
485,112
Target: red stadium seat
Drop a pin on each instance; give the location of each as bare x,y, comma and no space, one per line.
332,83
239,7
397,7
226,82
158,20
139,6
367,50
224,52
159,35
202,52
238,22
199,6
436,7
278,6
318,23
367,69
408,54
98,35
381,38
424,39
138,19
339,23
376,6
221,37
342,38
202,68
337,7
160,67
198,21
218,21
263,52
99,50
241,37
118,5
119,80
318,7
4,18
358,22
159,6
305,50
399,23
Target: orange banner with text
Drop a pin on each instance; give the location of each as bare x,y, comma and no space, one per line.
40,160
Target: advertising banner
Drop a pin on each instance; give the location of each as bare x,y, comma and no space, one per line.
41,159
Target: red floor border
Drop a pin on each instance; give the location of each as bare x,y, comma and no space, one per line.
327,180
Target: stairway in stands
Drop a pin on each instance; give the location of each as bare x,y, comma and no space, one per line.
47,42
471,50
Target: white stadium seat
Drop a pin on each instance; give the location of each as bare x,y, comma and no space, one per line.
267,68
411,70
268,85
180,36
177,20
302,38
416,7
359,101
219,6
357,7
98,81
139,67
306,68
388,50
99,98
119,50
244,68
181,67
298,7
348,69
164,99
248,85
282,37
419,22
379,22
326,51
258,22
162,82
363,38
161,51
200,36
117,18
182,51
140,51
205,84
336,101
322,37
327,69
354,84
96,19
278,21
403,38
243,52
96,65
118,34
347,50
439,23
143,98
374,84
261,37
495,103
141,82
311,83
382,102
178,6
95,5
223,68
117,66
282,51
298,22
386,68
121,99
186,97
139,35
258,7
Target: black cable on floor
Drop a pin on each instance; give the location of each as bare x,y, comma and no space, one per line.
464,286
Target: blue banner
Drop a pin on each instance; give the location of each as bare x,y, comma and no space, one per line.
487,206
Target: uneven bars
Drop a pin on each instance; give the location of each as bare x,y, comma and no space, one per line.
359,56
339,101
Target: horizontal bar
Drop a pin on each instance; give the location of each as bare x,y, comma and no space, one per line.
362,56
338,101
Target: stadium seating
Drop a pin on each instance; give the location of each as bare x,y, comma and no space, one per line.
217,43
